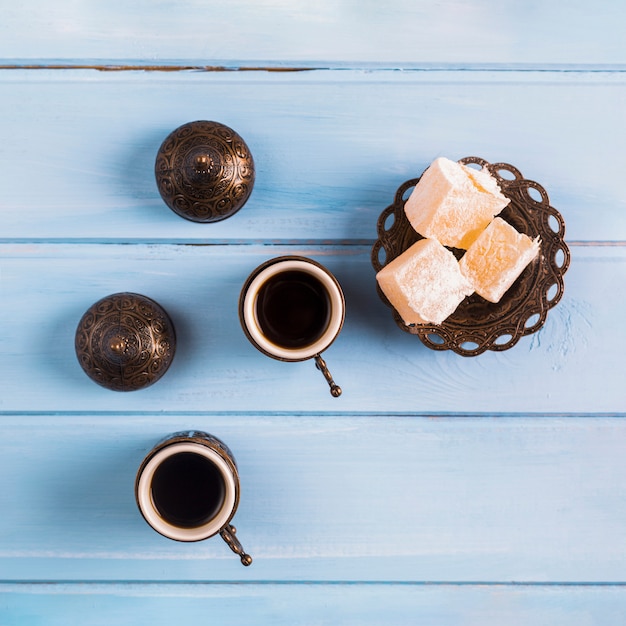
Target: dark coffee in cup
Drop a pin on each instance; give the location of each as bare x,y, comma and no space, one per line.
293,309
187,490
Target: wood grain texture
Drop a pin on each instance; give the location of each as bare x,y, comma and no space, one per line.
571,365
326,498
282,32
438,489
295,605
331,148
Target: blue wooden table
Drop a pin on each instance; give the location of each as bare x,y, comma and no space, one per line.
438,489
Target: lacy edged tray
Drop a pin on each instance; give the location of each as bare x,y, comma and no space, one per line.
478,325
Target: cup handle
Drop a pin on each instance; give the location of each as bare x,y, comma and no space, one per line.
335,389
228,535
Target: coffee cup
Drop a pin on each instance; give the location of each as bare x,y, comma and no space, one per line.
292,308
187,489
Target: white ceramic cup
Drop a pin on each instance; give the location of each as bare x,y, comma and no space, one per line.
251,316
212,458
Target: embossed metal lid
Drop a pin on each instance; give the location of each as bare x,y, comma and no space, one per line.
125,342
204,171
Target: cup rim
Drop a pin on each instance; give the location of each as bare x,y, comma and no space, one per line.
171,531
247,307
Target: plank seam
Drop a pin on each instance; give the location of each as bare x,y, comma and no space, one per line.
306,414
577,243
135,66
338,583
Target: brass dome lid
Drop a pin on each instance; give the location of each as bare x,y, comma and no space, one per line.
125,342
204,171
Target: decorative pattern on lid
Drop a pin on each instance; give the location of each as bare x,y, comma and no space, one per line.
125,342
204,171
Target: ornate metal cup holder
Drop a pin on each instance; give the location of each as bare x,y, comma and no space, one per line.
478,325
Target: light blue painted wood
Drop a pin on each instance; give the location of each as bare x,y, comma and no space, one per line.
326,498
294,605
331,148
572,365
279,31
518,491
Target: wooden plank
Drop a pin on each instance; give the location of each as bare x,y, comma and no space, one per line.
270,31
292,605
326,498
331,148
505,506
571,365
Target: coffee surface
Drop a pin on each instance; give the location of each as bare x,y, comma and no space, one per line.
293,309
187,490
